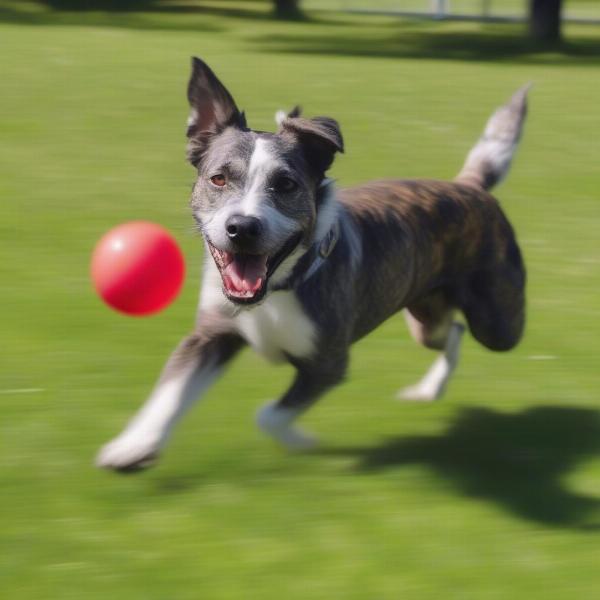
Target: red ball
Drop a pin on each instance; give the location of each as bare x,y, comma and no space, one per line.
137,268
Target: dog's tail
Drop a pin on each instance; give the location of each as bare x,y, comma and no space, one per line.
489,160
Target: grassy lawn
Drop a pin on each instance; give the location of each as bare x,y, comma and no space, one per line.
492,493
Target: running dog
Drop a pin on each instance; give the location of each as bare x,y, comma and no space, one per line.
300,270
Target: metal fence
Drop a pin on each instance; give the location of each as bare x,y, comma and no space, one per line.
510,10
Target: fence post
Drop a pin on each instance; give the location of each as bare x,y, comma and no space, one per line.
486,8
440,8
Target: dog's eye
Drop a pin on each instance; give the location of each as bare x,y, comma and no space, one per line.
285,184
218,180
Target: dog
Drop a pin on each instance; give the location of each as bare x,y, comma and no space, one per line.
300,270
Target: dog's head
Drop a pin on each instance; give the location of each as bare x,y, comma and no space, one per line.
259,196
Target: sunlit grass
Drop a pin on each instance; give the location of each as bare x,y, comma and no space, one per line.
493,492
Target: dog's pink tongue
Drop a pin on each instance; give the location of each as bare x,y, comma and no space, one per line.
245,273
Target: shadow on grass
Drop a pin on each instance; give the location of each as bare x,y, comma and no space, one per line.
426,40
144,14
518,460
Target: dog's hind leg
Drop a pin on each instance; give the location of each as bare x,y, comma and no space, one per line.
192,367
431,324
311,382
494,306
432,385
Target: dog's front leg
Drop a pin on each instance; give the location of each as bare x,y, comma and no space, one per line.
190,370
311,382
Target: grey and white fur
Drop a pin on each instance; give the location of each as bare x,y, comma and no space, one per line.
300,270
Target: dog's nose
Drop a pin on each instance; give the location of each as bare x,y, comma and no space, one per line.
243,230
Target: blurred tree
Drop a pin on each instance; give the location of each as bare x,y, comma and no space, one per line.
544,19
287,9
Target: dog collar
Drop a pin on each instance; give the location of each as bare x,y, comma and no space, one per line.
317,255
323,250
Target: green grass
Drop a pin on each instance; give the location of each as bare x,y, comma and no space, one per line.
492,493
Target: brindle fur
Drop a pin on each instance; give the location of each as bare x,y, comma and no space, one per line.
429,246
434,246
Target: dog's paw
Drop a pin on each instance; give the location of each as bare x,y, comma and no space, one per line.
419,393
277,423
129,452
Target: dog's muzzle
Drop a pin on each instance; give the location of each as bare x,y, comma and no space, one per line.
245,274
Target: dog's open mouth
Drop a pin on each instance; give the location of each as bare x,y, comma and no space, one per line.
244,275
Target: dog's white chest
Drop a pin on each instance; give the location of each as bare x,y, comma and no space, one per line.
278,327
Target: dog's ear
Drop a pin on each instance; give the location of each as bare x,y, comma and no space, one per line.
213,109
281,115
320,137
